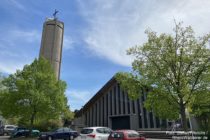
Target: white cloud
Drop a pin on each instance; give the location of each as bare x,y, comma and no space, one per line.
67,42
10,61
12,37
78,98
17,48
26,35
17,5
10,67
115,26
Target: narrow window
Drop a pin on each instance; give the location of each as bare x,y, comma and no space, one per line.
123,95
99,108
115,101
96,114
139,113
164,123
119,99
92,116
145,118
110,102
89,118
128,102
107,108
157,122
86,118
133,102
151,120
103,115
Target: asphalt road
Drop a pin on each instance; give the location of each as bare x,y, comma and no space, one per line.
7,138
4,137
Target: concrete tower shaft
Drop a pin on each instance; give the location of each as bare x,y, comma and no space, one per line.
52,43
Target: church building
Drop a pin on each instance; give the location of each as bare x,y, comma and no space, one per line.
111,107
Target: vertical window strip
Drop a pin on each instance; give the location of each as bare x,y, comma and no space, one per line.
96,111
123,95
110,102
145,118
128,102
99,115
119,98
151,120
115,101
89,118
107,109
133,106
139,113
157,122
92,115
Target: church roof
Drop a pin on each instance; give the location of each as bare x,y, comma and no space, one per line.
99,94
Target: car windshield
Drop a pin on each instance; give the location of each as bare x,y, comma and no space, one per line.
10,127
54,130
104,130
133,134
59,130
100,130
86,131
107,130
66,129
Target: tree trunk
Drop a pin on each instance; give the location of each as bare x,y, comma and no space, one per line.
32,123
183,116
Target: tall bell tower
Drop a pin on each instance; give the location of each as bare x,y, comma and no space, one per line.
52,43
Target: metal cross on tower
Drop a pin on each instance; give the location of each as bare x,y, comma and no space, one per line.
55,13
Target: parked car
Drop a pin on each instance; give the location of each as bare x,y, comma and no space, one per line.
23,132
1,130
95,133
60,133
125,135
8,129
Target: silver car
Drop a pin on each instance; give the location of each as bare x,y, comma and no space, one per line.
95,133
8,129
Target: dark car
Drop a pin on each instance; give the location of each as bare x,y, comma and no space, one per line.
1,130
125,135
23,132
60,133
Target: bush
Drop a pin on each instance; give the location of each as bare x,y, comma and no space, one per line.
48,125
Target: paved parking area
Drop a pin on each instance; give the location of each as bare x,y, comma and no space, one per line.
7,138
4,137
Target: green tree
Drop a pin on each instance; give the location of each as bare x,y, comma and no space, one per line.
68,116
201,109
175,69
1,84
33,93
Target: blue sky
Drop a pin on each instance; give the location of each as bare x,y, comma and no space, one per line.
97,34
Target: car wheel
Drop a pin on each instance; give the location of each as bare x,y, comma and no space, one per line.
5,134
71,137
50,138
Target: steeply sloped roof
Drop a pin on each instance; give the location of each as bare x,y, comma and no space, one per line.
99,94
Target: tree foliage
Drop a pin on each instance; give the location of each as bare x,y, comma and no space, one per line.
174,67
33,93
201,109
68,117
